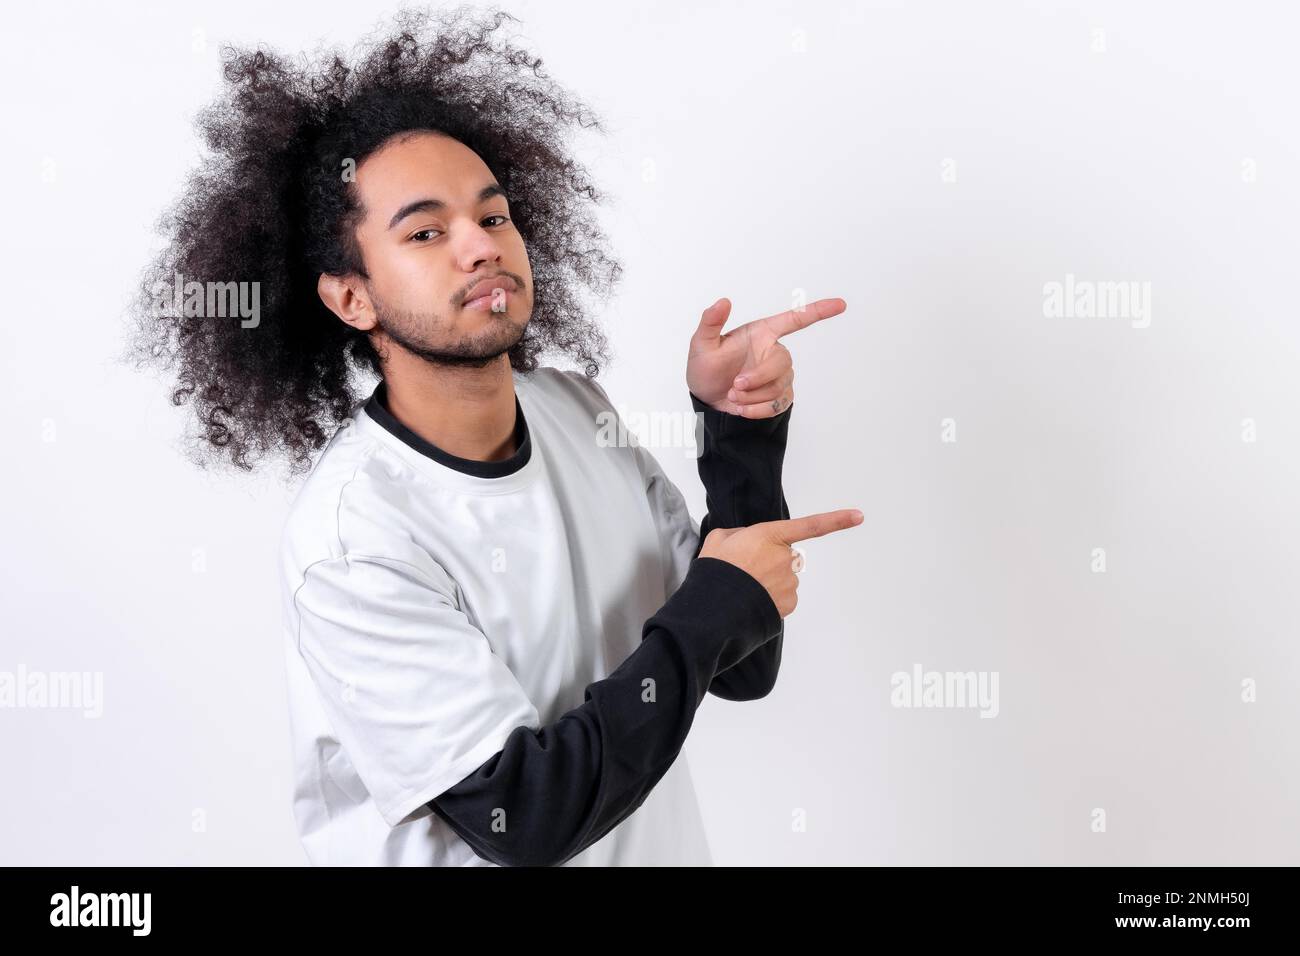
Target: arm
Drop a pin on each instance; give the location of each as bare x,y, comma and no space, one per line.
562,788
740,468
433,720
739,465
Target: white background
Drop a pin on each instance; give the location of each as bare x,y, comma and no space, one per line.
793,147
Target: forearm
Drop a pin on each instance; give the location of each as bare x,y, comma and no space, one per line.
740,466
551,793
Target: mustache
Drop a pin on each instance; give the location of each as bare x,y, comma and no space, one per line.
463,296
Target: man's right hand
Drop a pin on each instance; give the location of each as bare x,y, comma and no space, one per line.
763,550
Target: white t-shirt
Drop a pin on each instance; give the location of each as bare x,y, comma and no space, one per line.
429,612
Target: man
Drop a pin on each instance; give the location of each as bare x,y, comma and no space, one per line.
497,627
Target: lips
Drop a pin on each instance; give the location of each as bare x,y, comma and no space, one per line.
485,290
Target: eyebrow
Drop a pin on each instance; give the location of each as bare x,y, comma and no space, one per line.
434,205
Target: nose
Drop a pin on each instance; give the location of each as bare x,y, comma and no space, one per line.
476,246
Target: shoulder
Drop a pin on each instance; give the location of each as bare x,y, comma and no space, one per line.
565,386
591,413
350,504
573,403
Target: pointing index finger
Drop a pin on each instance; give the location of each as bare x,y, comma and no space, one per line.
791,320
790,530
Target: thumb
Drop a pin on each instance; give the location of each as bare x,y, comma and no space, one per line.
712,320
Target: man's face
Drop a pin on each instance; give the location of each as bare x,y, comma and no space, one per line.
434,226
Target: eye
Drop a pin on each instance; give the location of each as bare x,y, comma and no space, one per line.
498,216
423,232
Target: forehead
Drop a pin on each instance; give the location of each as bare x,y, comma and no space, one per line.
416,166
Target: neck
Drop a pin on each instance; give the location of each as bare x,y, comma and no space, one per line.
467,412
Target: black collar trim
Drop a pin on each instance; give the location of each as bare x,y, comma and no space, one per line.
377,408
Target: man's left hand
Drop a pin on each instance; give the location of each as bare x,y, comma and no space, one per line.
747,372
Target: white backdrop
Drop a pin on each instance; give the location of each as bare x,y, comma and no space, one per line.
936,165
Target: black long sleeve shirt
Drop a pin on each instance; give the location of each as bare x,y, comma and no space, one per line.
567,784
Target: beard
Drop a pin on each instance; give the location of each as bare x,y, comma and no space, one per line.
409,331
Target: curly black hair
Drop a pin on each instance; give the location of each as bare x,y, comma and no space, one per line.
270,204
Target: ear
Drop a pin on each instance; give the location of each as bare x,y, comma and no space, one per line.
345,297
